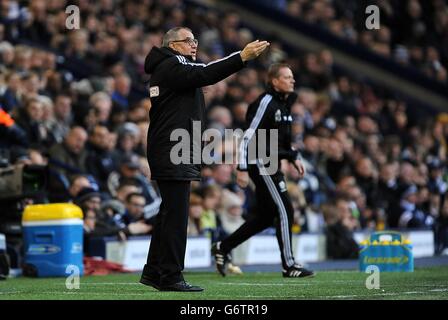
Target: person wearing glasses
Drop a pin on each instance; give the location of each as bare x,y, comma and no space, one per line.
175,90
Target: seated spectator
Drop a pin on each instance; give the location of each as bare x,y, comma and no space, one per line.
100,222
10,98
122,89
387,190
340,241
222,176
63,117
88,198
126,187
78,182
69,157
441,230
134,217
194,216
412,216
231,213
93,227
100,162
130,170
127,140
436,182
30,119
210,222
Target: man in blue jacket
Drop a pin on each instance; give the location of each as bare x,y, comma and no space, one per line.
178,103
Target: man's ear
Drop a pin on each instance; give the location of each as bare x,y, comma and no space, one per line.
274,82
171,46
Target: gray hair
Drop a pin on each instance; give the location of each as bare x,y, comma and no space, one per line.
172,35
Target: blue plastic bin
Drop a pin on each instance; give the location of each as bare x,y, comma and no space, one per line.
53,239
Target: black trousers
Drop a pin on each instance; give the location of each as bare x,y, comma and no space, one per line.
169,237
273,208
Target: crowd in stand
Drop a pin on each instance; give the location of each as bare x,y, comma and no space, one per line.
412,32
75,100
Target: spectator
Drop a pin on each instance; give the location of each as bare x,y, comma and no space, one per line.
194,216
134,216
93,228
11,97
89,199
30,119
231,213
63,116
100,162
122,89
340,241
441,230
210,222
127,141
411,216
78,182
69,157
130,169
101,105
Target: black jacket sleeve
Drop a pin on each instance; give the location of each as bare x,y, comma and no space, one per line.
286,151
289,155
259,116
182,74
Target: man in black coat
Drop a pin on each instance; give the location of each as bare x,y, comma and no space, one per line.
178,103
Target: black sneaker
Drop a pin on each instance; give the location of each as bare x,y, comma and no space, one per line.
147,281
221,258
181,286
297,271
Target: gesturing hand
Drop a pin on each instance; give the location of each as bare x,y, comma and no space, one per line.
300,168
253,49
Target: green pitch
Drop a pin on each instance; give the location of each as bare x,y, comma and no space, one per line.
428,283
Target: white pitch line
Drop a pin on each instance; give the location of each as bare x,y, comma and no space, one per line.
439,290
265,284
11,292
110,283
97,293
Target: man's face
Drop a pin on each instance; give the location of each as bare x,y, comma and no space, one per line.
93,203
35,110
284,83
185,44
76,140
62,107
135,206
100,137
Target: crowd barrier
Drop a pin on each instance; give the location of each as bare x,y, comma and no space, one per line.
258,250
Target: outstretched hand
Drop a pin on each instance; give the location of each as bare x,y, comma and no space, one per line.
253,49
